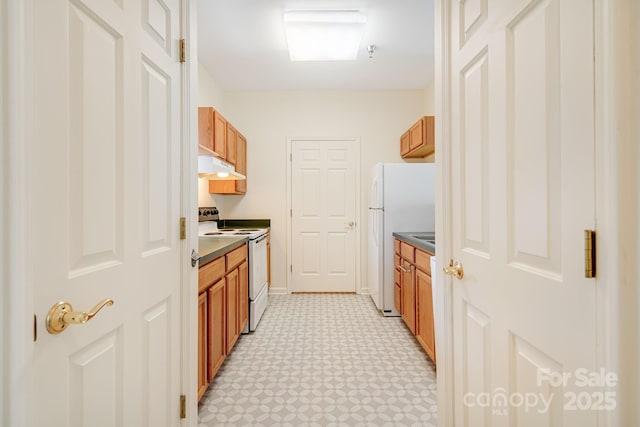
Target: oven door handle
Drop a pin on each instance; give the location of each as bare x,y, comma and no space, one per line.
260,239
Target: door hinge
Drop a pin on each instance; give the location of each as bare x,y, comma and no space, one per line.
291,157
291,268
183,228
183,55
35,328
291,213
183,406
589,253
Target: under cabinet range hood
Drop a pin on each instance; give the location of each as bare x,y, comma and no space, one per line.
216,169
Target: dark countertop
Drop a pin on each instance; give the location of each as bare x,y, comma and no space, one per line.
412,239
212,247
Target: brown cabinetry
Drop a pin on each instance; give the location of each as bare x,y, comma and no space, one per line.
216,337
233,294
222,311
219,135
239,147
232,135
413,295
203,381
408,294
212,133
419,140
424,304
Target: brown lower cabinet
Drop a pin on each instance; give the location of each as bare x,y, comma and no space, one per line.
413,296
203,381
222,311
216,337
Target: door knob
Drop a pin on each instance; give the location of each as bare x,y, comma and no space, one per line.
62,314
350,224
454,269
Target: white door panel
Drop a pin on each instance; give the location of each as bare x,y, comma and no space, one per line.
324,193
104,205
522,178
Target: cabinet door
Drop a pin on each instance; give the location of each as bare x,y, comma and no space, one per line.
219,135
404,144
232,134
216,328
203,380
424,304
205,130
237,186
416,135
408,290
232,308
397,290
243,299
241,163
421,140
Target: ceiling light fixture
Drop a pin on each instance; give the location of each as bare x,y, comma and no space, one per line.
370,49
324,35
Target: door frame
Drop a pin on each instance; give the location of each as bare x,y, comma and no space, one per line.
17,292
289,258
617,157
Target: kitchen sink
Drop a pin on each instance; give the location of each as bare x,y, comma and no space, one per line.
427,239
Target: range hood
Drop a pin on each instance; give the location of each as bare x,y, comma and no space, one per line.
216,169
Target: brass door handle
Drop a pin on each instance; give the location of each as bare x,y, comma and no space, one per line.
454,269
61,314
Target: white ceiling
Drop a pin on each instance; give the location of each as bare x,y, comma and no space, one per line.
242,45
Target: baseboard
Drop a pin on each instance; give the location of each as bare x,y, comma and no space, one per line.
323,293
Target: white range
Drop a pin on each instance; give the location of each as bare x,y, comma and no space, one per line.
258,286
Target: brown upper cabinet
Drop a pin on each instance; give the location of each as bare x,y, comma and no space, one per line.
419,140
232,135
212,133
217,137
238,186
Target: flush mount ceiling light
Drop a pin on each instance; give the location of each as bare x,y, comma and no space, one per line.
324,35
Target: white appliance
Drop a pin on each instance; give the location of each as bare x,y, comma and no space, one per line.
258,286
401,199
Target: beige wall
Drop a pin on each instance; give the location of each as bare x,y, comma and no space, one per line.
209,95
378,118
429,100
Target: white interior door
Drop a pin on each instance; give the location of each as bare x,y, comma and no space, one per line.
522,172
324,196
104,204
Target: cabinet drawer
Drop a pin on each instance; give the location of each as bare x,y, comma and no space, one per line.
236,256
396,276
396,261
423,261
396,246
210,273
408,252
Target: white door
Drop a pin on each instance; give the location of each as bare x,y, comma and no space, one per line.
522,171
324,194
104,203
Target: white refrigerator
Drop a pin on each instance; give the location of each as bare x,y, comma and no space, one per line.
401,199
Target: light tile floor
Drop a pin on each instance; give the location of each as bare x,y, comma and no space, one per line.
323,360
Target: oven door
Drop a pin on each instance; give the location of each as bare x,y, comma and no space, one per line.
257,265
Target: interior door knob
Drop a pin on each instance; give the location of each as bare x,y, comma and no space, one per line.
61,314
454,269
350,224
